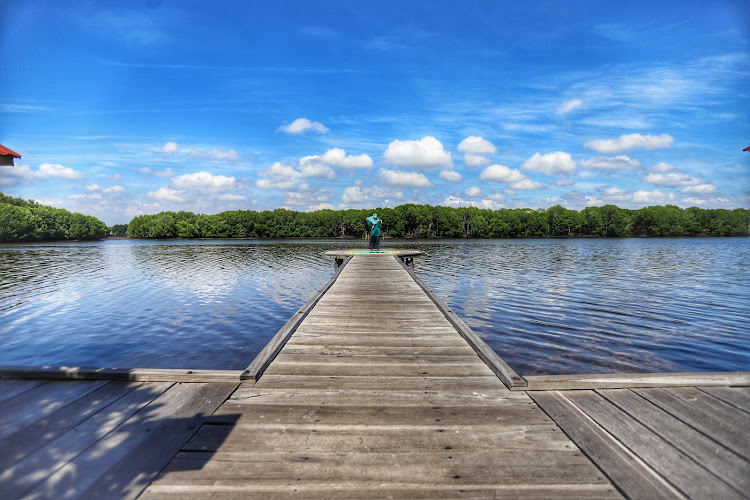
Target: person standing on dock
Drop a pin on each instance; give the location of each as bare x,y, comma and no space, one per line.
374,224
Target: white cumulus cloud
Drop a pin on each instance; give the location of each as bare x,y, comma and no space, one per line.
283,176
302,125
21,174
338,158
527,185
557,163
451,176
472,160
662,168
308,197
699,189
199,191
477,145
501,173
166,194
608,164
627,142
473,192
203,181
406,179
426,153
357,195
636,199
455,201
57,171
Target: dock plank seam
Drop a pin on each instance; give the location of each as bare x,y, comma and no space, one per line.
499,367
256,368
631,475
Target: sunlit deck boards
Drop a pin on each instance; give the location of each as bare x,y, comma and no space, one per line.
375,395
95,438
661,442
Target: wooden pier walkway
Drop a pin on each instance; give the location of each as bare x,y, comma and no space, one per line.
374,389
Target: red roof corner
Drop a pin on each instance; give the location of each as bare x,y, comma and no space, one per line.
6,151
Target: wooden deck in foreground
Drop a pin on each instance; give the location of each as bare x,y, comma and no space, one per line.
372,390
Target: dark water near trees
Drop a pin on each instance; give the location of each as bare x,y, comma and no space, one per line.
546,305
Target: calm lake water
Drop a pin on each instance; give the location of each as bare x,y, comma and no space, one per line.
545,305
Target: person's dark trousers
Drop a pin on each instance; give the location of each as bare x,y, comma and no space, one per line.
374,242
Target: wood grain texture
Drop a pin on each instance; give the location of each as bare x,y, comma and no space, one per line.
687,475
725,464
705,413
628,472
377,387
626,380
133,374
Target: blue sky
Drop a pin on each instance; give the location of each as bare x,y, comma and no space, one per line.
127,108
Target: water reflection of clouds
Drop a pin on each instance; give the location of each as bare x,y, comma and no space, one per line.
577,306
205,272
557,306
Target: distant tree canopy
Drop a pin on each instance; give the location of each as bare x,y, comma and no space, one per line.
22,220
119,230
425,221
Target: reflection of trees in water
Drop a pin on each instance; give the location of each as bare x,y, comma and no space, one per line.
545,305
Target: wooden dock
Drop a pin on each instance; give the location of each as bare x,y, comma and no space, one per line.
373,389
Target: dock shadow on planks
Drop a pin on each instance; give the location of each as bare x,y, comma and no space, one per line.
96,439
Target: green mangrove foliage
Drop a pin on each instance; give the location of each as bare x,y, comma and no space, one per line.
425,221
22,220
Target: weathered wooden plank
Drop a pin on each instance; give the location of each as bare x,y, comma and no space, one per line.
725,464
134,472
629,473
10,388
347,490
471,369
503,370
686,475
466,358
132,374
385,415
383,439
174,407
383,333
450,468
709,419
324,339
739,397
629,380
379,383
291,351
30,438
263,359
701,399
43,463
343,323
338,397
35,404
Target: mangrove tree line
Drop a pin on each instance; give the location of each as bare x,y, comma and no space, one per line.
22,220
425,221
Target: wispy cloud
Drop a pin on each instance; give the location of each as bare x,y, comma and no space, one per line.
302,125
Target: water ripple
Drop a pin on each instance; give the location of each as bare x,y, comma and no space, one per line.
546,306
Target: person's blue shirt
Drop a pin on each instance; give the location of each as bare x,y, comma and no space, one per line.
374,223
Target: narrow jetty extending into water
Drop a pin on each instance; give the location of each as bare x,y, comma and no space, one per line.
374,388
